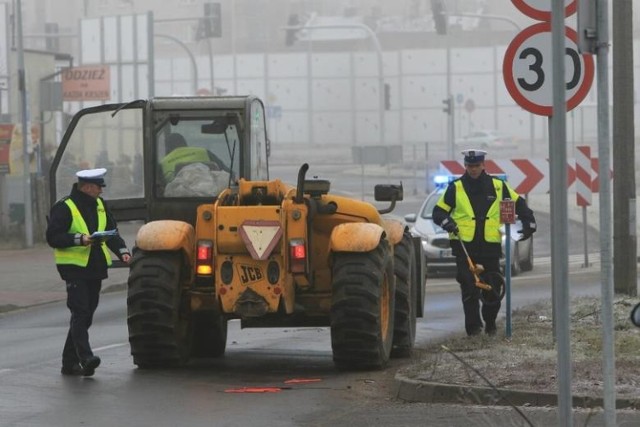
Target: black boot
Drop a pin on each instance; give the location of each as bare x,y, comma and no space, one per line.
74,369
89,365
473,330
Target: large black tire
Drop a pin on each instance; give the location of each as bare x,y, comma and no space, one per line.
362,309
209,334
404,327
421,273
159,327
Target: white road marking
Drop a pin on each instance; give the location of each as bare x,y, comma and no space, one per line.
108,347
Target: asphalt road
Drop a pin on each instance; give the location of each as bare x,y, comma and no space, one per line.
34,394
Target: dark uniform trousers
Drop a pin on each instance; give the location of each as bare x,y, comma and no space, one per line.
471,293
82,301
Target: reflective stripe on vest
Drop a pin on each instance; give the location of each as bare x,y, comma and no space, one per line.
464,216
79,255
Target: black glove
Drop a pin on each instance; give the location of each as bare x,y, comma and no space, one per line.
449,226
527,231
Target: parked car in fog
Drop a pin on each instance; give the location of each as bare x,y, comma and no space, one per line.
437,250
486,139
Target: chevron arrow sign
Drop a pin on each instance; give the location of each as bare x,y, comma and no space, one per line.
526,176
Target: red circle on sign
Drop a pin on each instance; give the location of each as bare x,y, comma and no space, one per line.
510,81
543,14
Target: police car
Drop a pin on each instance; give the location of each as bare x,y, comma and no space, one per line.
435,241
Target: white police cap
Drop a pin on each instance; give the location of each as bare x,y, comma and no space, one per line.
474,156
94,176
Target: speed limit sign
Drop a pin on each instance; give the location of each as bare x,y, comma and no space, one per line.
527,70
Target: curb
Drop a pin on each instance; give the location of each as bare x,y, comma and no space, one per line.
411,390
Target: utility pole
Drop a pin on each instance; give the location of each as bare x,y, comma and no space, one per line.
593,38
558,197
604,142
26,170
625,268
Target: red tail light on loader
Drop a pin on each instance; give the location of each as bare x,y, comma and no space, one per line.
297,256
204,259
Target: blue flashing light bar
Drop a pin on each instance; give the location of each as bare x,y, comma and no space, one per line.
444,179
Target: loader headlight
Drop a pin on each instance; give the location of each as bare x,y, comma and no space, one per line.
226,272
273,272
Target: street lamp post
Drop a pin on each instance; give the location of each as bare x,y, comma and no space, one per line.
376,44
186,49
194,65
451,140
451,112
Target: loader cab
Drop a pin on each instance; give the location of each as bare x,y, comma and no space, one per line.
149,177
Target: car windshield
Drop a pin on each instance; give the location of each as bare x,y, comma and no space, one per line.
431,201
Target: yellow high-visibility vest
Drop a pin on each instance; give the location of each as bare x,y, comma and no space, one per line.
464,216
79,255
182,155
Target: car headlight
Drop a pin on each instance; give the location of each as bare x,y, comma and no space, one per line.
414,232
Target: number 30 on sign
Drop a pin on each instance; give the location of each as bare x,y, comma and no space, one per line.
527,70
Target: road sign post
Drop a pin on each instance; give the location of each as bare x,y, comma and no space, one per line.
508,217
583,191
534,54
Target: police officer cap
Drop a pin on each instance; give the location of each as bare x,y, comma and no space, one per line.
94,176
473,156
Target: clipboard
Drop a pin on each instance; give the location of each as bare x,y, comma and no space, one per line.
104,235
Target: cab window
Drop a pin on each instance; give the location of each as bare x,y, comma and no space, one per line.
104,140
198,155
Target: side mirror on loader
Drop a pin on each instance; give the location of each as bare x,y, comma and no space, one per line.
388,193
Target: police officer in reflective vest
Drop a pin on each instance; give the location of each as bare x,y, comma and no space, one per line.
82,261
469,209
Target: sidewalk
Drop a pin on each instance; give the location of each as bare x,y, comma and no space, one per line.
30,277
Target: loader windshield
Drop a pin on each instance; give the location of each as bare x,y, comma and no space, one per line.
197,154
104,140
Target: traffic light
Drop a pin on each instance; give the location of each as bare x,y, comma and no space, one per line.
291,35
439,16
387,96
211,24
448,105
